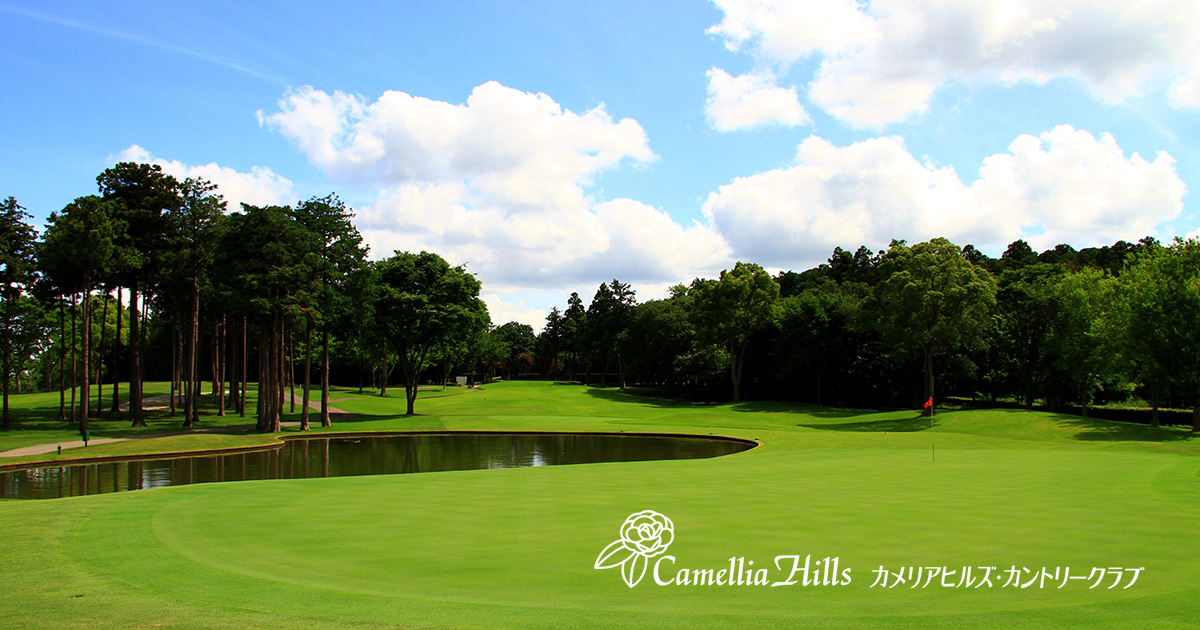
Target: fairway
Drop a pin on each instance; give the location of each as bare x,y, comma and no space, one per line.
515,548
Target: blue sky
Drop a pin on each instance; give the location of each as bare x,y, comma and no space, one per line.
553,146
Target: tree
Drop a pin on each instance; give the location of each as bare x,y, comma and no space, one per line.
263,248
1086,340
192,227
607,316
18,272
77,249
1026,309
931,299
731,309
424,302
143,193
657,333
335,252
1018,254
1161,287
550,341
573,340
815,333
520,341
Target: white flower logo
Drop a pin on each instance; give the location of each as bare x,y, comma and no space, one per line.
643,536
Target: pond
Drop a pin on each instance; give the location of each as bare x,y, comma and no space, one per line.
339,456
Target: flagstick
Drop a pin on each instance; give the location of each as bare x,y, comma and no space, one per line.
932,448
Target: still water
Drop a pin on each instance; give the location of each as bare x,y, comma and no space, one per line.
359,455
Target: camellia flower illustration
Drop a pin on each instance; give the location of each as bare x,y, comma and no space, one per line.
643,536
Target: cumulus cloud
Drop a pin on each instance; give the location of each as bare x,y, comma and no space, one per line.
520,149
503,311
260,187
622,238
751,100
499,183
1065,185
1079,187
881,62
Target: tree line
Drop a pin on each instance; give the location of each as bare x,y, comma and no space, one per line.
154,267
156,276
908,326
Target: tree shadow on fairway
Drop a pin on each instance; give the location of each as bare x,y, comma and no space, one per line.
891,425
818,411
1093,430
655,398
643,396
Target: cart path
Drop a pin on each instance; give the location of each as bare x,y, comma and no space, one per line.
161,402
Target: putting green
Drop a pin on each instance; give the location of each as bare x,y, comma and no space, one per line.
516,547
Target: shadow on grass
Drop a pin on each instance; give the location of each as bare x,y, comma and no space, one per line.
894,425
819,411
656,398
643,396
1094,430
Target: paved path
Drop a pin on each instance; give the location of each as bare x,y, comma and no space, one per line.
160,402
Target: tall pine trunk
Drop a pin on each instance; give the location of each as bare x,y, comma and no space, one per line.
222,359
100,358
245,368
325,421
116,366
176,366
307,376
291,367
62,360
136,416
7,358
86,350
191,392
74,354
281,359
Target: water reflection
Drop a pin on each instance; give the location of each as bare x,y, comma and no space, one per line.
360,455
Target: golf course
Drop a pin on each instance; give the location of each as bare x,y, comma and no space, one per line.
515,547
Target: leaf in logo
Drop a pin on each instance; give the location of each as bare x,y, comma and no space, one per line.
644,535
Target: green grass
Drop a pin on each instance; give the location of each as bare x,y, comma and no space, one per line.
514,548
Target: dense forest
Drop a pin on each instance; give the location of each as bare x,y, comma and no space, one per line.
907,327
156,279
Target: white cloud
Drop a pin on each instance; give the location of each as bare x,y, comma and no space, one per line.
786,31
503,311
1079,187
881,62
522,150
497,183
622,238
751,100
1064,186
260,187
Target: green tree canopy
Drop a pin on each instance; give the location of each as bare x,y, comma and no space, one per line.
931,298
1162,290
18,268
1087,330
729,310
424,302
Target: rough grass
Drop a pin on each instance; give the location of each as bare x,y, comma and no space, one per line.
514,548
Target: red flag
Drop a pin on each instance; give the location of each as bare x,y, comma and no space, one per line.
928,403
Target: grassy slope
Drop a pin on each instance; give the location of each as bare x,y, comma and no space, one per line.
514,548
